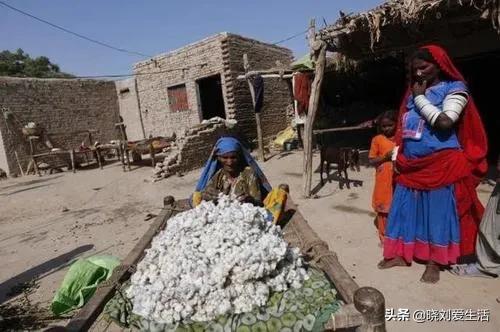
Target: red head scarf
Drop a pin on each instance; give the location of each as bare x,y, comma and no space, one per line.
446,167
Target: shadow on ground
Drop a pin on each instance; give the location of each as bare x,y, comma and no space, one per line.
11,287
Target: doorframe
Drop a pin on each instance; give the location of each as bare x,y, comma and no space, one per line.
198,95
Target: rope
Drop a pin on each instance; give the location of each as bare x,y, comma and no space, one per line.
326,254
310,245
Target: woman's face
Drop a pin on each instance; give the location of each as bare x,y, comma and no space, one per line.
424,71
388,127
230,162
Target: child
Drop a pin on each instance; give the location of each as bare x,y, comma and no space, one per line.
380,157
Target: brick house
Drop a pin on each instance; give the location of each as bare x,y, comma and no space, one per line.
176,90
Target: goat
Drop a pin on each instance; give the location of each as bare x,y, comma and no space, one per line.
354,160
339,156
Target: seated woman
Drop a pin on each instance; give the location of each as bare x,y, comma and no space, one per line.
231,169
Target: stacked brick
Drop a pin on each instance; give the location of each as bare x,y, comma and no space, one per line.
191,151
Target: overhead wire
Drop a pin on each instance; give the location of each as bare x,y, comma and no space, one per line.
291,37
117,48
175,69
123,50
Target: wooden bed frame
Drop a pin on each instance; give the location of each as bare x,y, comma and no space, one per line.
364,308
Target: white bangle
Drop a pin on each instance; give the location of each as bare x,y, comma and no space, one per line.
454,104
427,110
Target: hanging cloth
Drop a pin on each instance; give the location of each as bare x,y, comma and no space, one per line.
258,88
302,91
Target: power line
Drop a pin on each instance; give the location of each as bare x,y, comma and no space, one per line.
291,37
167,70
75,33
117,48
127,75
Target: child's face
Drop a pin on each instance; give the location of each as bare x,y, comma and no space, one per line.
388,127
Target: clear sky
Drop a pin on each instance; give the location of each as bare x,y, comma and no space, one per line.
153,27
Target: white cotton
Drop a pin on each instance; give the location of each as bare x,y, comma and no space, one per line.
212,260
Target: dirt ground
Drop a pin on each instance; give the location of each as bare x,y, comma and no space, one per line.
47,222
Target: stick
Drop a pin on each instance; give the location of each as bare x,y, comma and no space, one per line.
320,131
257,115
18,163
318,50
243,77
28,168
72,158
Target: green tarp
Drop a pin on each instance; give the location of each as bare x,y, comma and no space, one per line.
81,281
304,63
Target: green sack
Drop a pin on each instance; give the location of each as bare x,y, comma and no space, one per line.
81,281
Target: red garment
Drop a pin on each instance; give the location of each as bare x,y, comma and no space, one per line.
302,91
463,168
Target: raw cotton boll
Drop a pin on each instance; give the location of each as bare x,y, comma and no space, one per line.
213,260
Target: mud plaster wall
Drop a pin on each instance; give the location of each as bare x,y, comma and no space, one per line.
129,109
58,106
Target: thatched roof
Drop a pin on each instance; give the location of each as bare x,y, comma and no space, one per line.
398,23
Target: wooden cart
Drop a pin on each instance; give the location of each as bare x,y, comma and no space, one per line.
364,308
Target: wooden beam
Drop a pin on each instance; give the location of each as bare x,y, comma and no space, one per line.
246,65
269,71
318,52
371,304
244,77
329,263
329,130
346,317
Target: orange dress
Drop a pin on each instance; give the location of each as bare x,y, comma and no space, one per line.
382,192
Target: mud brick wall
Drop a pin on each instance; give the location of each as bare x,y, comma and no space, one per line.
277,93
183,66
58,106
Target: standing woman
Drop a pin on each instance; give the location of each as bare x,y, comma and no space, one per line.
442,156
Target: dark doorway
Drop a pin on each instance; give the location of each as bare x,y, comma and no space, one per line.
480,72
211,100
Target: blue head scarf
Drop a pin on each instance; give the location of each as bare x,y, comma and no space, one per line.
227,145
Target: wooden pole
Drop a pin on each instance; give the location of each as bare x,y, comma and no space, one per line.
243,77
72,158
19,163
331,130
246,65
318,53
371,304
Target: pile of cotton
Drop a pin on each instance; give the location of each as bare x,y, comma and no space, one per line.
212,260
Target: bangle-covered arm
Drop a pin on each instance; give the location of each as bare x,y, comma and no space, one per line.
453,105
